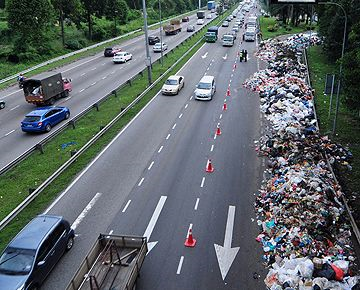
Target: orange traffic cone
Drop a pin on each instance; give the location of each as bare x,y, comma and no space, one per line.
228,92
190,241
209,168
224,107
218,132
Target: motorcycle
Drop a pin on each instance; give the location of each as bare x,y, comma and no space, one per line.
21,83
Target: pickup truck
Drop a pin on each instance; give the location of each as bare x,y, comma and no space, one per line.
46,90
173,28
113,263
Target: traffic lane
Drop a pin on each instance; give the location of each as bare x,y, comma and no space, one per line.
101,178
180,158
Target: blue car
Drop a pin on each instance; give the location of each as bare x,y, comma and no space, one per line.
43,119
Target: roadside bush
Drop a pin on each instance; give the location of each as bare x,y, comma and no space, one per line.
73,44
272,28
134,14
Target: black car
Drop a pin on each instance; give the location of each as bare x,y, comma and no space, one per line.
2,104
111,51
34,252
153,39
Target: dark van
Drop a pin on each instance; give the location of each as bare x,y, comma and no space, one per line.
33,253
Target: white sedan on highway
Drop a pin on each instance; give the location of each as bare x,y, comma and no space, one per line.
122,56
200,22
173,85
158,47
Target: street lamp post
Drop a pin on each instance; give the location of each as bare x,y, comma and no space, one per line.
161,39
148,58
340,69
116,12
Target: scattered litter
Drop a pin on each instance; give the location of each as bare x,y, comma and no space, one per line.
65,145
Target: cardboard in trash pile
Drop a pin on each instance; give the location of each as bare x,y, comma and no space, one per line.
304,230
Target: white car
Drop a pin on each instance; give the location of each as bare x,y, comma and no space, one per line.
209,16
122,56
235,28
158,47
173,85
200,22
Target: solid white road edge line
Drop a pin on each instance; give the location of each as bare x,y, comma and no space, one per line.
83,214
126,206
112,141
178,271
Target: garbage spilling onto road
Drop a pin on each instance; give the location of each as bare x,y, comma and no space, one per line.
305,232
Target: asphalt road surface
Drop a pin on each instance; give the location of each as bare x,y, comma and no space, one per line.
151,181
92,78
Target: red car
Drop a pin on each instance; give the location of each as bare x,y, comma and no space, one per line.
111,51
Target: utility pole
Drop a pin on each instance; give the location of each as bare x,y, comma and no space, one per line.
148,58
161,39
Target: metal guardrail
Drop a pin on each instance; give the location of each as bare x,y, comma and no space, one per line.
85,49
343,198
72,159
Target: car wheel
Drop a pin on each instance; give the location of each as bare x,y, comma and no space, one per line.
2,106
177,92
51,101
48,128
67,115
69,243
66,94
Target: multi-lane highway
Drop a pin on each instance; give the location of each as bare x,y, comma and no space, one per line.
151,180
92,77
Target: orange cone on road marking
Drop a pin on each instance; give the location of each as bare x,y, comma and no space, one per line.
218,131
190,241
224,107
228,92
209,167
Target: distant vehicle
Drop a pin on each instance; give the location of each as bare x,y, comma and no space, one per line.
173,28
249,34
173,85
200,22
185,19
153,39
200,14
158,47
2,104
110,51
114,262
211,5
209,16
46,90
233,33
122,56
205,89
229,18
190,28
235,28
228,40
43,119
212,34
225,24
213,10
33,253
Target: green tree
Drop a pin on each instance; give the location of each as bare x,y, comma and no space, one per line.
29,20
117,9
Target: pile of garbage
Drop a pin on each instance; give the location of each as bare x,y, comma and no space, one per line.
305,232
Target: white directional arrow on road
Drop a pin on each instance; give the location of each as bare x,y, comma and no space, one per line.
226,254
225,57
205,55
153,221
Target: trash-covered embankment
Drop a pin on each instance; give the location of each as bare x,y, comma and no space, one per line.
305,232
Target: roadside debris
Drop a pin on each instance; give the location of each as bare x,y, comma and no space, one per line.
305,233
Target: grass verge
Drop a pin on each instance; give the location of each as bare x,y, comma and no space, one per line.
35,169
270,22
348,123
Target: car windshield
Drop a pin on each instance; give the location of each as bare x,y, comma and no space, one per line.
32,119
16,261
204,86
228,38
171,82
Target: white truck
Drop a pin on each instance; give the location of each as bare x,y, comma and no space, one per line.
250,34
